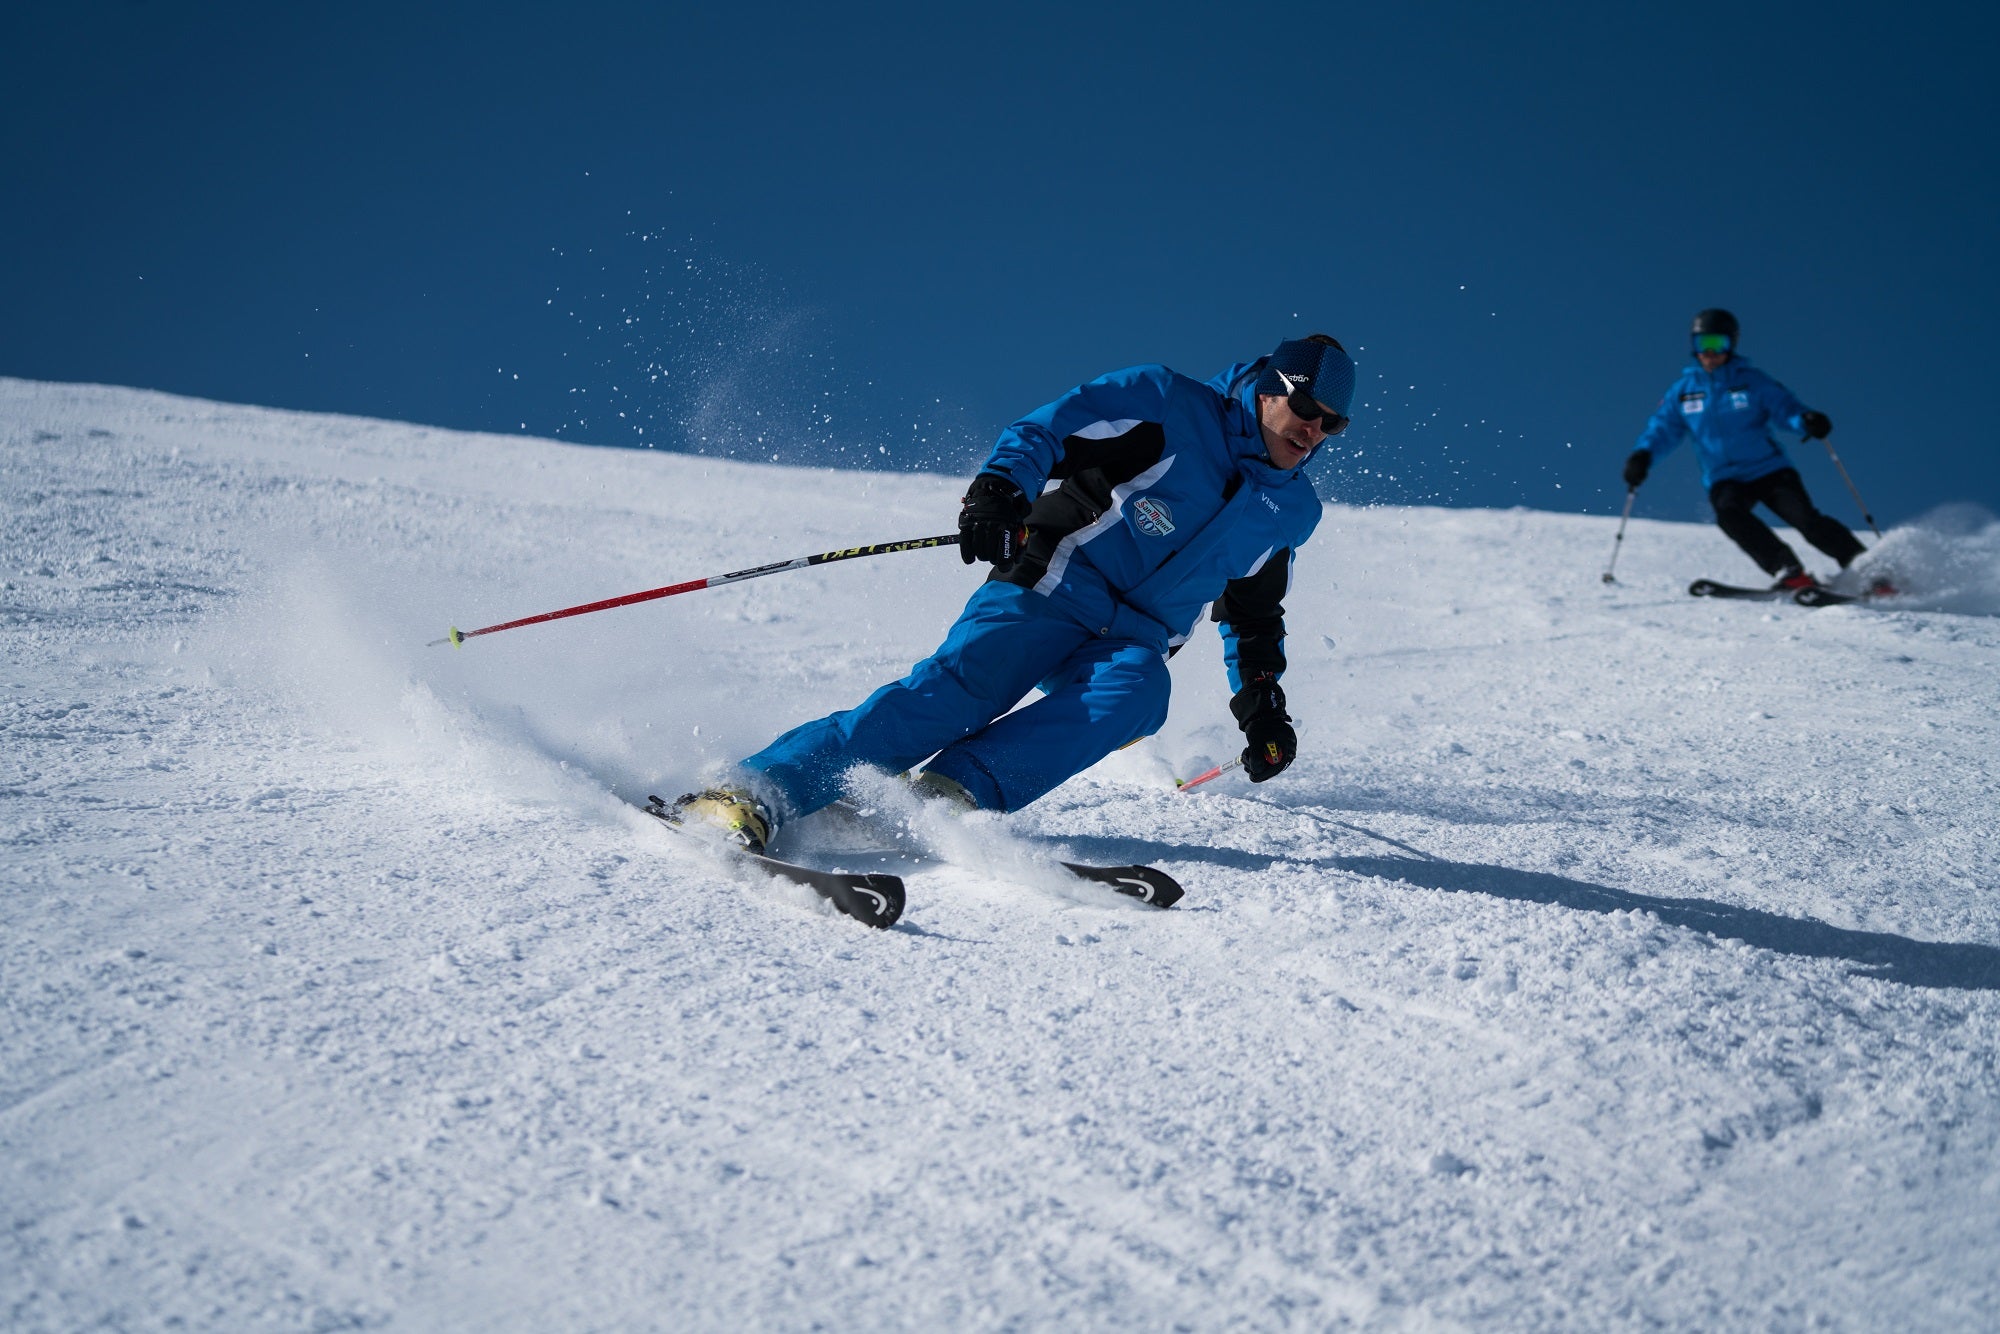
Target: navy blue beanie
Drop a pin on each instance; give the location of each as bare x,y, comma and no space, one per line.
1322,369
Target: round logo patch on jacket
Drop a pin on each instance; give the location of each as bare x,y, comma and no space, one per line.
1155,519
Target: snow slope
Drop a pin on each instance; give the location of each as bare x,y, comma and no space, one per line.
1610,958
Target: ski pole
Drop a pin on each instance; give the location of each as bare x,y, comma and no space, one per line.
1217,772
1852,490
458,636
1631,494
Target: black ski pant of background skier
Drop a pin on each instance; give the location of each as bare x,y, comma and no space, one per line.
1785,495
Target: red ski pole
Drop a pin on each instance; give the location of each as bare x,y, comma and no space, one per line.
458,636
1217,772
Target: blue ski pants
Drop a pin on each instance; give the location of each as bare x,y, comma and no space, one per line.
1101,693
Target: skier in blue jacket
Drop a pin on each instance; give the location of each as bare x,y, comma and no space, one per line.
1727,406
1173,494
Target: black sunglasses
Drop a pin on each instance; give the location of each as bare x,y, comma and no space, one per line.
1307,408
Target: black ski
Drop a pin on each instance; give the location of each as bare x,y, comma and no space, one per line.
1813,595
1150,886
1826,597
873,899
1708,588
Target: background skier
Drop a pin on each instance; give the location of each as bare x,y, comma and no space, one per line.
1174,493
1727,406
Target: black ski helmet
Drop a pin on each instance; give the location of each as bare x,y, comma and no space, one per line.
1716,320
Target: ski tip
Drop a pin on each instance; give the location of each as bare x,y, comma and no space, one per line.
1149,885
885,900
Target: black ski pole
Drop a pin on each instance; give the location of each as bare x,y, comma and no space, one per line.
1852,489
1631,494
458,636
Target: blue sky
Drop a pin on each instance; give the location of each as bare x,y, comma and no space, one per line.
877,233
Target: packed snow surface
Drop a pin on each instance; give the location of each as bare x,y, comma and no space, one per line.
1609,959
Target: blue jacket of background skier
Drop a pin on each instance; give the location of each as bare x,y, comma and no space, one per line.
1728,412
1141,558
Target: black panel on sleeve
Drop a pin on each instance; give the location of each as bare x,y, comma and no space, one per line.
1254,607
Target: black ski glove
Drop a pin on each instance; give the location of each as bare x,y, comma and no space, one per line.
1260,711
992,521
1637,464
1816,425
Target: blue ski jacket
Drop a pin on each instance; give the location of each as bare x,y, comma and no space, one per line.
1168,503
1728,414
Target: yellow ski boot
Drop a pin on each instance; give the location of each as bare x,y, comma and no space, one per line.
740,817
936,787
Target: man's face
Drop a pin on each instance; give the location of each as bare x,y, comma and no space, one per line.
1289,439
1711,350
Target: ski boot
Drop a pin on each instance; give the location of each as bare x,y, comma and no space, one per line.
1791,579
742,819
936,787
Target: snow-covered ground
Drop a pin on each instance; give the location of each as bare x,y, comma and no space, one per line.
1610,958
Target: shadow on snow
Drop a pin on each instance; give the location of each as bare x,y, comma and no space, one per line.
1890,958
